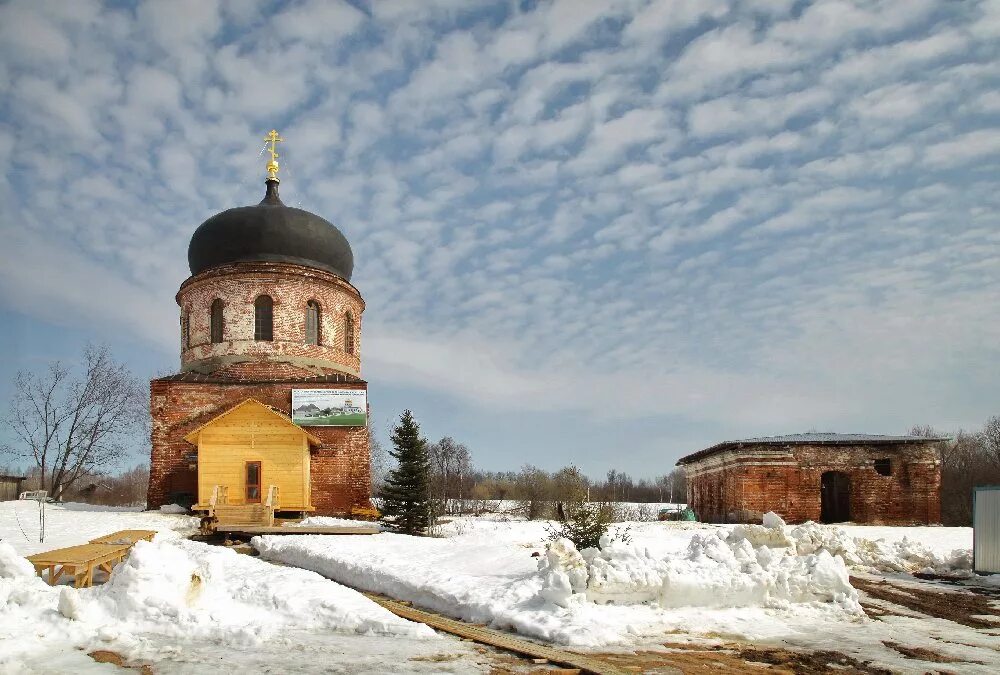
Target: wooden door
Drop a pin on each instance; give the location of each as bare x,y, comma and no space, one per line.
835,497
253,483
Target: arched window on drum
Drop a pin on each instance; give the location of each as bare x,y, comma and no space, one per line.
263,318
312,323
348,333
216,320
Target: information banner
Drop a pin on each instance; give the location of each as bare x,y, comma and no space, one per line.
330,407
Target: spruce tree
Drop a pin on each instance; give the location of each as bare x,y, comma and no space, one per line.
406,495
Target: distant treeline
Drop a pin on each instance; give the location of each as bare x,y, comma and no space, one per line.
124,488
457,484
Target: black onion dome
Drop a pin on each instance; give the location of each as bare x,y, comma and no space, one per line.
270,232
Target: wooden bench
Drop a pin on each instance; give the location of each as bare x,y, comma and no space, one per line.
128,537
102,553
80,561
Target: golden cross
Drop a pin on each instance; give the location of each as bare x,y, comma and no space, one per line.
272,166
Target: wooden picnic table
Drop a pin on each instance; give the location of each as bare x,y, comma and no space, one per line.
80,561
128,537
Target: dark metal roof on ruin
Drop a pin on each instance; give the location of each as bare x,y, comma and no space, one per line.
333,378
810,439
270,232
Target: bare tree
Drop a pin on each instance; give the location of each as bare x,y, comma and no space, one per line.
71,426
569,489
451,469
970,459
618,487
379,461
534,490
125,489
678,486
991,440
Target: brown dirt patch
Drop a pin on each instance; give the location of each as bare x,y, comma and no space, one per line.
962,607
924,654
116,659
739,658
105,656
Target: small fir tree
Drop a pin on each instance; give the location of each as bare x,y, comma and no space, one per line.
588,524
406,495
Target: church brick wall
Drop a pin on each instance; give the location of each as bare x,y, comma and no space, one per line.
291,287
741,486
340,470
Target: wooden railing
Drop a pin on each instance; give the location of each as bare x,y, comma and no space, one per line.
220,496
271,504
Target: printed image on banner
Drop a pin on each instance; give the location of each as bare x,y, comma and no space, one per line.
330,407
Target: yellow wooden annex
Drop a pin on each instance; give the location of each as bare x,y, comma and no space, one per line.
246,450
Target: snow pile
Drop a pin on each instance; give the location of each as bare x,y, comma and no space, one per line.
716,571
564,573
13,566
179,590
878,555
773,521
591,598
17,578
172,508
188,589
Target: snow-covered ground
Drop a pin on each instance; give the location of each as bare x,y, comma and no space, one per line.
71,524
177,603
785,585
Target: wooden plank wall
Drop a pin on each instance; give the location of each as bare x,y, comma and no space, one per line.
248,435
10,488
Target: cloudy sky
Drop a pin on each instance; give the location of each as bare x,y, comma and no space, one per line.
603,233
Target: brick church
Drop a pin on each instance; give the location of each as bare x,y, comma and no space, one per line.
268,310
830,478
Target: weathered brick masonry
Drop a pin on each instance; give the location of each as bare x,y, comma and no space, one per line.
339,471
739,481
290,286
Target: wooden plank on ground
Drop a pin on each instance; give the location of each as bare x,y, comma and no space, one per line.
275,529
495,638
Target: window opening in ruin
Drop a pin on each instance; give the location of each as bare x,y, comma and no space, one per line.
348,333
312,323
216,320
884,466
263,318
186,329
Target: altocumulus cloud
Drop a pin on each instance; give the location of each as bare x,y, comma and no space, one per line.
758,216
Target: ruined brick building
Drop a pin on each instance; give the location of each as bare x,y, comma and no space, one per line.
821,477
269,308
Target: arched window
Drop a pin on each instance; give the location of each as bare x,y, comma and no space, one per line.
216,321
312,323
263,318
186,329
348,333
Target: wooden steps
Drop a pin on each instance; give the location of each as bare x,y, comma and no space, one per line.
221,512
241,514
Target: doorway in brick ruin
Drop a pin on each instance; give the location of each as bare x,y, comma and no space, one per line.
835,497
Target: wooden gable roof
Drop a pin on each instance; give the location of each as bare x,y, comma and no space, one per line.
193,436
